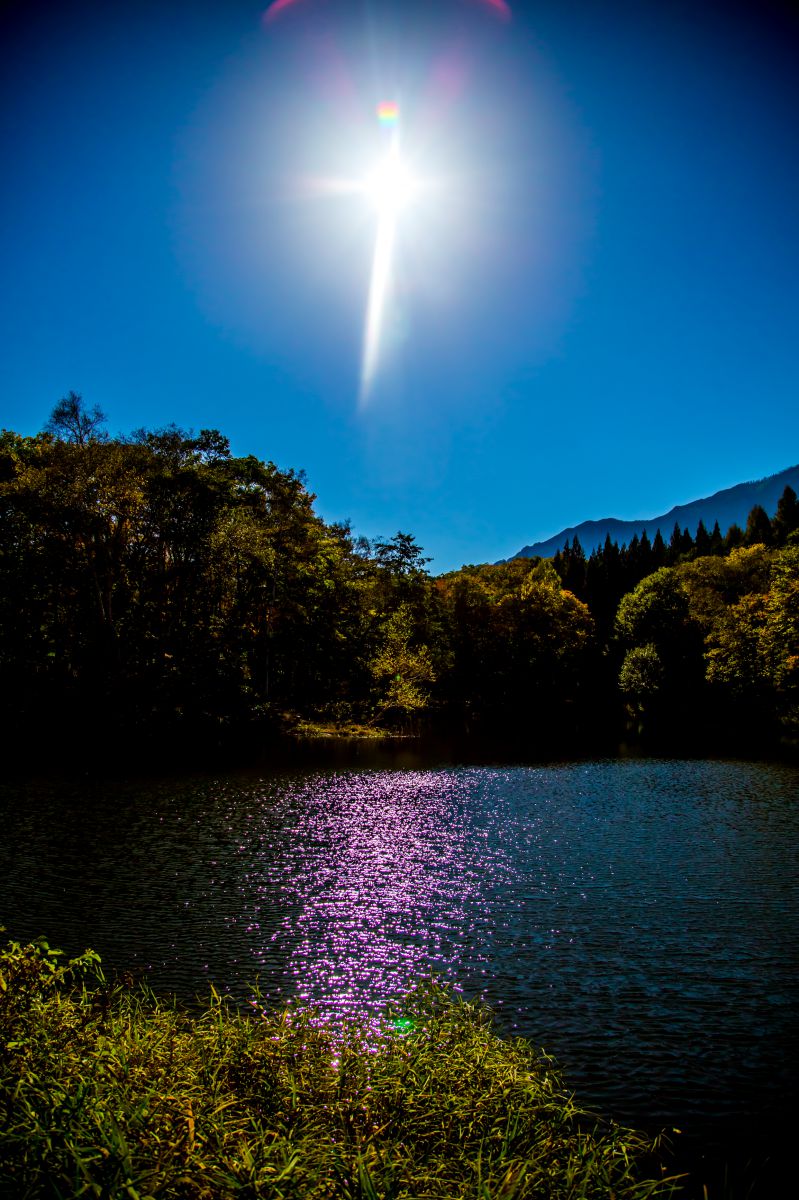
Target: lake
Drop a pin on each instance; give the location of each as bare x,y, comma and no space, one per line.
636,918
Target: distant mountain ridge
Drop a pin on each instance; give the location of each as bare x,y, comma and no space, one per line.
731,506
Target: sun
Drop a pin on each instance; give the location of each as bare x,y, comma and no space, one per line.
391,186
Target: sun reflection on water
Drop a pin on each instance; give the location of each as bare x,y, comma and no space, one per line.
639,919
388,881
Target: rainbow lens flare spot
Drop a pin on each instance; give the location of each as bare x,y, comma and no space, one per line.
388,113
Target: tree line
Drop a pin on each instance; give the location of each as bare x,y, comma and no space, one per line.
156,589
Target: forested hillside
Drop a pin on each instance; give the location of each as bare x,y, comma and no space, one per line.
157,591
731,506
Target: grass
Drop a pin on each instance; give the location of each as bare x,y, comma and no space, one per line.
107,1091
341,729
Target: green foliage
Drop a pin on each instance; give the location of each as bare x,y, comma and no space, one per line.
400,556
160,589
734,658
107,1092
402,670
522,647
161,581
713,584
641,676
753,642
780,642
720,631
663,666
655,612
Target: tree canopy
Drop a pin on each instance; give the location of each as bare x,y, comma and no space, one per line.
157,586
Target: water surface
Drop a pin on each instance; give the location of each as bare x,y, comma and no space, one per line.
638,918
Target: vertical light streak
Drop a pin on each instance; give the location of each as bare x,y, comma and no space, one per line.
379,287
388,187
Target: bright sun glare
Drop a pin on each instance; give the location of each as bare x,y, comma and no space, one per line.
391,186
389,190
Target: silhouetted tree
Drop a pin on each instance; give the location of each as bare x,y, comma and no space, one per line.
758,527
157,583
72,421
733,537
675,544
646,562
570,564
659,551
702,539
786,518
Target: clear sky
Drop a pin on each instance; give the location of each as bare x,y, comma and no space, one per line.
593,306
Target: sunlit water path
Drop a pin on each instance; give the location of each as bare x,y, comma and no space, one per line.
636,918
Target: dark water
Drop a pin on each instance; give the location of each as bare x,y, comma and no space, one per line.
638,918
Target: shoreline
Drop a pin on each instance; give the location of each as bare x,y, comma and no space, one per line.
106,1086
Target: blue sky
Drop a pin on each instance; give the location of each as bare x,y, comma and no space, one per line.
595,305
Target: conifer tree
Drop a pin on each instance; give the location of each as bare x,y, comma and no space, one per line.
574,577
659,551
733,537
786,518
646,562
702,540
758,527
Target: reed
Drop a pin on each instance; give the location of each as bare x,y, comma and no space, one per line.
108,1091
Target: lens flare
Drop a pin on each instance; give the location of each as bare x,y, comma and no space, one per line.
274,10
500,8
391,186
279,6
388,113
379,286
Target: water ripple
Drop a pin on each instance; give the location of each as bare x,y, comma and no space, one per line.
638,918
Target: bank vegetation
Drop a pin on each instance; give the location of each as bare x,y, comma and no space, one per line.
109,1093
